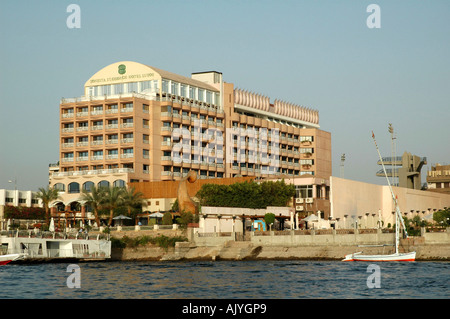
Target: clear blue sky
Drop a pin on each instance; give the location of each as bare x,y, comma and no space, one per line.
319,54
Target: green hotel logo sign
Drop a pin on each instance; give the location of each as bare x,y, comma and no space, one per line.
122,69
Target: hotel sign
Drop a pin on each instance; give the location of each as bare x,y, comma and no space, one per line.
122,72
123,78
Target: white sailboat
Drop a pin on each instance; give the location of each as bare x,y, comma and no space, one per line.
411,256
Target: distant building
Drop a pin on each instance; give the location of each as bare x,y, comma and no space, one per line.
438,179
406,168
16,198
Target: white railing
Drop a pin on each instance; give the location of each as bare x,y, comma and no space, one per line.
97,127
126,140
94,172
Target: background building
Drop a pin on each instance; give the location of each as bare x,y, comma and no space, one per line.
16,198
438,179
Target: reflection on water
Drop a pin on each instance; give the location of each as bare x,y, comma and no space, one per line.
226,279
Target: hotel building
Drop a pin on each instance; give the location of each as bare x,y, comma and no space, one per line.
137,123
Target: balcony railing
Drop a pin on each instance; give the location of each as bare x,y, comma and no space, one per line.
94,172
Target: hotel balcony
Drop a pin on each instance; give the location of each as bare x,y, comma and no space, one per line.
68,130
118,171
82,114
126,125
126,110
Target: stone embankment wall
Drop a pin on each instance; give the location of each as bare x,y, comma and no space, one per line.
430,246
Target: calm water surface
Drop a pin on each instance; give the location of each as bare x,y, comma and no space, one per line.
226,279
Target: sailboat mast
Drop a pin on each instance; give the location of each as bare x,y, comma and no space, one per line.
397,210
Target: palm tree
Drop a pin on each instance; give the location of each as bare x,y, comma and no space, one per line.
132,199
94,198
47,196
112,199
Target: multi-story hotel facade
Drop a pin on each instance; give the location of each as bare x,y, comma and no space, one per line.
137,123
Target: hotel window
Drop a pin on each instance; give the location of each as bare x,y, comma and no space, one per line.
118,88
127,151
192,92
73,188
97,154
201,95
306,138
104,90
60,187
145,153
217,99
165,86
175,87
209,97
92,91
132,87
145,85
183,90
113,154
103,184
88,186
306,150
119,183
82,156
112,108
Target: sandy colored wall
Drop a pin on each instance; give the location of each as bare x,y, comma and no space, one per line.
355,198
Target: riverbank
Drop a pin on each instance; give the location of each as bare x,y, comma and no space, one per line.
232,250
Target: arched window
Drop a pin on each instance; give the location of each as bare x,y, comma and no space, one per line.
60,207
103,184
74,188
88,186
60,187
75,206
119,183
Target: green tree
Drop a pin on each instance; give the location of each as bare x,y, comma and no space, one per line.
112,200
269,218
47,196
94,198
167,218
246,194
442,217
132,200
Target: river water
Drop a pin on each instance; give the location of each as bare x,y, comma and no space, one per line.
226,280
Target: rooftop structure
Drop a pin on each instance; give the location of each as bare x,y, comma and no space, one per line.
407,168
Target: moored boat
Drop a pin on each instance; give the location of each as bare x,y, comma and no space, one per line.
392,257
397,256
5,259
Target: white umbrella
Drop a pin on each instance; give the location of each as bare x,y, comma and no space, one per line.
311,218
121,218
158,215
52,225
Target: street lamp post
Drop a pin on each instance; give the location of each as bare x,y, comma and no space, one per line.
342,165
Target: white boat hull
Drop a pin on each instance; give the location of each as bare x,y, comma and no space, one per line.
5,259
393,257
